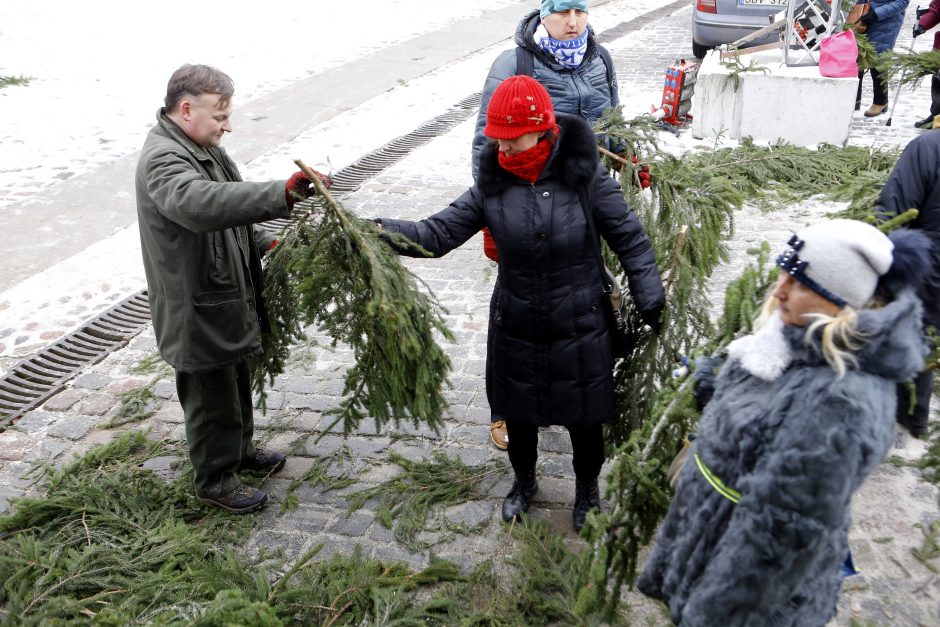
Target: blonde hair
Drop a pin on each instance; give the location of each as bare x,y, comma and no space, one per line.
839,335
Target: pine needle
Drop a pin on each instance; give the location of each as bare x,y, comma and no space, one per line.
408,499
336,271
911,66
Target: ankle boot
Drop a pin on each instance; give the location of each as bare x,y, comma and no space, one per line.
587,496
517,501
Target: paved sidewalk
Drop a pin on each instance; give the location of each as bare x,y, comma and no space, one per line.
894,588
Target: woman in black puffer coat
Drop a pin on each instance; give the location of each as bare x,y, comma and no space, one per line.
550,346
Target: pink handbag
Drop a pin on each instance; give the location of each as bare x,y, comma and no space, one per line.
838,55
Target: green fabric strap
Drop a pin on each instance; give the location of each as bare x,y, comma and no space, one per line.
732,495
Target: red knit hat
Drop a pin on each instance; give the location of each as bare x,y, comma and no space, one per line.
519,105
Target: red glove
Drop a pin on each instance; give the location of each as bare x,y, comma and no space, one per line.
324,178
274,244
643,174
297,185
489,246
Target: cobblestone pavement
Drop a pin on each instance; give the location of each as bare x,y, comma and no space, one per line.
893,589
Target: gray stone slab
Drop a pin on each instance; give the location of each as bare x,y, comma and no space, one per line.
92,381
7,496
555,441
368,446
170,412
97,404
314,402
472,456
307,519
167,467
412,450
326,445
164,389
379,534
381,473
355,525
475,435
64,400
558,465
72,427
47,450
395,554
472,514
35,421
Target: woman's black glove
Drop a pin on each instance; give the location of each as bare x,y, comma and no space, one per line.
869,17
653,318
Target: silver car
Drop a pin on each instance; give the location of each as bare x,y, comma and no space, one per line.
716,22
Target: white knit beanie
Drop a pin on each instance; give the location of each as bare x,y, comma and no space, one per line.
841,260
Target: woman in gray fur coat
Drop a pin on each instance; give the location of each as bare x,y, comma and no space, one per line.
802,412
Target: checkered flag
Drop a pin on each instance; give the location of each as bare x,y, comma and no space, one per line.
810,26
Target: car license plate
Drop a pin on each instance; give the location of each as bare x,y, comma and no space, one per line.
763,3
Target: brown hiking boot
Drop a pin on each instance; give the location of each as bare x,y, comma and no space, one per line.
263,461
242,500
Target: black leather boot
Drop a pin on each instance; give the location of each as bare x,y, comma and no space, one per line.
587,496
517,501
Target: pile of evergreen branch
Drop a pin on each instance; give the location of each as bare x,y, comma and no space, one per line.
112,544
336,271
407,499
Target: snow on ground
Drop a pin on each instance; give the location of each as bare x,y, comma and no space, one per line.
99,70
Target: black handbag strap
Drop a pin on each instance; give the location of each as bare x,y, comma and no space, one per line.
588,209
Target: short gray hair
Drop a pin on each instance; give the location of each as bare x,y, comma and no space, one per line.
195,80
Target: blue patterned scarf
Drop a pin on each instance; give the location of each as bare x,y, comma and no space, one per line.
569,53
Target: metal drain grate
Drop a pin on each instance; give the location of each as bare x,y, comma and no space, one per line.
30,382
352,176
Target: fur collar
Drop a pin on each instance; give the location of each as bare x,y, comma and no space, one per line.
765,353
574,159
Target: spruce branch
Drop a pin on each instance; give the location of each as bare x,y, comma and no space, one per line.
912,66
409,498
336,271
898,221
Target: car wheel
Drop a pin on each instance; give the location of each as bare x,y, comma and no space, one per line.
699,50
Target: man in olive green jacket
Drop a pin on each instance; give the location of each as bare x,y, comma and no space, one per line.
202,258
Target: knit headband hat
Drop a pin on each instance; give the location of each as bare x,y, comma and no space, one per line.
841,260
553,6
519,105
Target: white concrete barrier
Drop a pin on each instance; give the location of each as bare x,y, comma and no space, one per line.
796,105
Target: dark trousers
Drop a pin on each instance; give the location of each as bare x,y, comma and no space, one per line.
587,445
217,409
935,95
915,417
879,88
